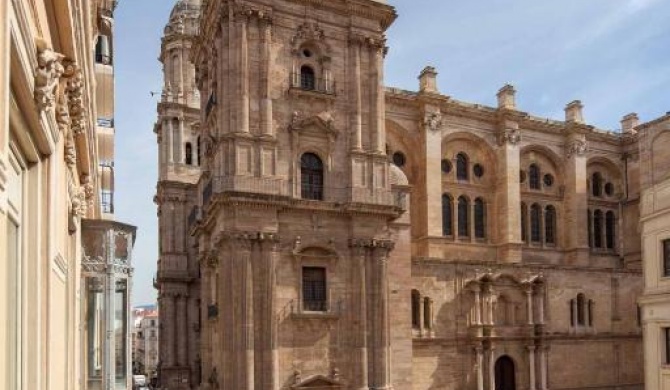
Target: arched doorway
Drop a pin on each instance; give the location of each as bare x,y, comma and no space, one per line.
505,378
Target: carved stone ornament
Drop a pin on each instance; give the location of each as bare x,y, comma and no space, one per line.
74,88
70,151
307,32
509,136
433,121
576,147
47,75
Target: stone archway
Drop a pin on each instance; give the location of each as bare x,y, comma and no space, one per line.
505,374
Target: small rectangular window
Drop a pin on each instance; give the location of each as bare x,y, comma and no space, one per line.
666,343
666,257
314,289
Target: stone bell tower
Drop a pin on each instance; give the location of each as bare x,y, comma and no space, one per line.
177,129
303,236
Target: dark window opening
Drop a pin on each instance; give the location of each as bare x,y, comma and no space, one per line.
307,78
666,257
548,180
610,222
534,177
188,158
535,216
103,50
550,225
609,189
597,184
446,166
524,221
581,303
311,172
589,217
598,229
478,170
426,313
461,166
463,217
666,341
416,309
199,146
447,216
399,159
314,289
480,218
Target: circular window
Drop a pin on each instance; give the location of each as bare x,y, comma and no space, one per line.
446,166
399,159
522,176
548,180
478,169
307,53
609,189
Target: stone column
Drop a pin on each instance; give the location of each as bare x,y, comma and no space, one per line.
508,191
531,366
243,63
422,315
109,347
543,368
381,329
478,305
246,314
379,140
576,195
270,369
540,306
169,329
359,303
529,303
480,367
492,368
170,141
266,102
182,331
357,125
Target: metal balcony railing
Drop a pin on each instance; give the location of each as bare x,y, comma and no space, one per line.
307,82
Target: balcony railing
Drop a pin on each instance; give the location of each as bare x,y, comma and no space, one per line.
312,84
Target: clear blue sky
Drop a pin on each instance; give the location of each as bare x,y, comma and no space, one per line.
614,55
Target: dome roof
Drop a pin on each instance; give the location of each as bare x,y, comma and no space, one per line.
398,177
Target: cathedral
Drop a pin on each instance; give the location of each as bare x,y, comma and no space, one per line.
321,230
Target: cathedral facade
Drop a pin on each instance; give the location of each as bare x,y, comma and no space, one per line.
320,230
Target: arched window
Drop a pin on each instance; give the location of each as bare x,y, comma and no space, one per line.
610,221
550,225
416,309
597,184
463,217
524,222
447,216
581,304
307,78
535,216
427,313
534,177
480,218
311,174
462,166
598,229
188,151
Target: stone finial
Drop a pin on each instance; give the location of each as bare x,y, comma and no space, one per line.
507,97
428,80
629,123
574,112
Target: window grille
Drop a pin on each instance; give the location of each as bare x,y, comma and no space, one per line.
307,78
314,289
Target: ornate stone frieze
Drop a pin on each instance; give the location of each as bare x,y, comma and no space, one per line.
47,75
576,147
433,121
371,243
509,137
74,87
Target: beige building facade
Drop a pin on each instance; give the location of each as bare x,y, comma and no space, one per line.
655,226
56,156
334,233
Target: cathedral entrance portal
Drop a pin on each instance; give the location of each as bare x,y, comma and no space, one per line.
505,379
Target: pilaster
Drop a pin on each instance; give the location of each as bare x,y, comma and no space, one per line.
576,198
